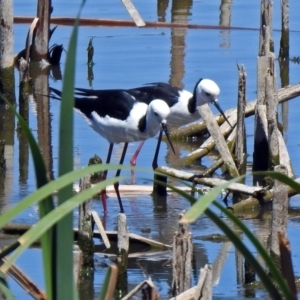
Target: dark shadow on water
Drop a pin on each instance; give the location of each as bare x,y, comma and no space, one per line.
159,205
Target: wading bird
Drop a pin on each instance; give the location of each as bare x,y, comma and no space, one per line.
183,104
119,118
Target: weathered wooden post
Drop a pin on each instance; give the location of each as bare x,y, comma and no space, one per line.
240,146
122,258
40,42
24,92
239,267
261,148
39,51
266,43
86,245
249,273
284,61
285,33
7,88
279,215
182,259
7,81
2,156
271,105
97,176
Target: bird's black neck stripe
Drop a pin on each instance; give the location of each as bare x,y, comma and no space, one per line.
142,124
192,105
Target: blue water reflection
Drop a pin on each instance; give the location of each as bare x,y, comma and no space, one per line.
127,57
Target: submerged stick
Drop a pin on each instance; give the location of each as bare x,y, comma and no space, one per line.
218,137
28,285
259,195
148,283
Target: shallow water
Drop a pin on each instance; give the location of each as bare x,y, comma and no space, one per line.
128,57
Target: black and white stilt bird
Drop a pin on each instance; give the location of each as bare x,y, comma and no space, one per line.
118,117
183,104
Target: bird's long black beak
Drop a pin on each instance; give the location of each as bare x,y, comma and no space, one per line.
165,129
217,105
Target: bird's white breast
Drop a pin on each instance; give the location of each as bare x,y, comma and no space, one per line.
180,114
118,131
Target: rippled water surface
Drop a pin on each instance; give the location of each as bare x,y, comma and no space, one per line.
127,57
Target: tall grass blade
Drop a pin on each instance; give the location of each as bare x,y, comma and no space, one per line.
45,206
276,275
199,206
264,277
4,289
55,185
64,246
36,231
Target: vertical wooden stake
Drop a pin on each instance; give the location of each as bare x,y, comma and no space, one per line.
40,43
271,104
86,245
261,150
279,215
2,156
249,273
266,20
24,92
182,259
285,33
7,79
122,258
240,147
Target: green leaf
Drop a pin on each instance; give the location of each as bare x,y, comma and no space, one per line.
64,246
44,224
55,185
265,278
199,206
276,275
46,205
4,288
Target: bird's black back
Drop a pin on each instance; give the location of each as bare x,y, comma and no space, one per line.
114,103
157,90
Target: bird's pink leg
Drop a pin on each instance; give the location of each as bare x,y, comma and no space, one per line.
133,160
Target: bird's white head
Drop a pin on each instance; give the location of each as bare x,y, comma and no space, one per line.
158,111
206,91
